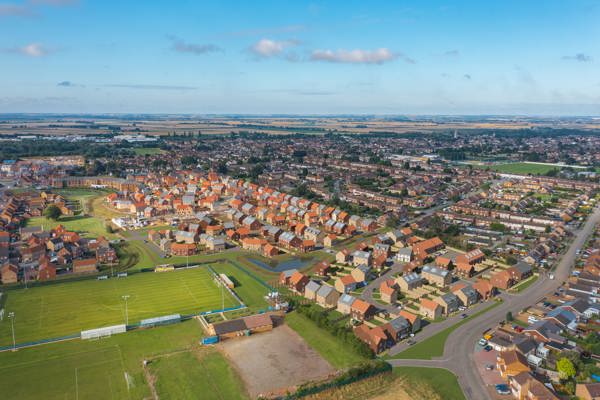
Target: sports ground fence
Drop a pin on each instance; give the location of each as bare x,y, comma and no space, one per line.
134,326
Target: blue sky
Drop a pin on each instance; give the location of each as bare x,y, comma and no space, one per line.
263,57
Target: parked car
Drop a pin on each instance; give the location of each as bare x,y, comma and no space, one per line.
463,316
482,342
502,389
488,348
489,367
410,342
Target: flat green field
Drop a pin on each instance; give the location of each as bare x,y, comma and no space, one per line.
150,151
196,374
87,226
60,309
524,168
109,368
328,346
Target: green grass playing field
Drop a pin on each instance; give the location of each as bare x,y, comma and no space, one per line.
142,151
109,368
523,168
196,374
67,308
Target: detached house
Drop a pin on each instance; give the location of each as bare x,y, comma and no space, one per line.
297,282
327,296
345,284
430,309
361,310
344,304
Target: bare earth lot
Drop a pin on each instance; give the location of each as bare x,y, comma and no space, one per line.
274,361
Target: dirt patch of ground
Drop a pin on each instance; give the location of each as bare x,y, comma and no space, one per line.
273,362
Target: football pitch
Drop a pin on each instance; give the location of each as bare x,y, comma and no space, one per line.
105,369
84,375
61,309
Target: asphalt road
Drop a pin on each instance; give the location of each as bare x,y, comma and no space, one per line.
460,345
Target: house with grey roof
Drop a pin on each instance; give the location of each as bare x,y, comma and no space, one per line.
311,289
344,304
409,281
327,296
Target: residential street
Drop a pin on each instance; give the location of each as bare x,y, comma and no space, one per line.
458,351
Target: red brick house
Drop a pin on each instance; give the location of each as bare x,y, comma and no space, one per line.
297,282
502,280
9,273
85,266
183,249
361,310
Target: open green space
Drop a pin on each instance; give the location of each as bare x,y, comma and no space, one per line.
147,151
66,308
326,344
86,226
525,284
434,345
192,375
522,168
109,368
442,381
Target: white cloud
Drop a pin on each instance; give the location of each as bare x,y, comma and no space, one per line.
32,50
270,48
358,56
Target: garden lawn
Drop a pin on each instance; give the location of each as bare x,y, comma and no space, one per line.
442,381
109,368
66,308
192,375
434,345
525,284
328,346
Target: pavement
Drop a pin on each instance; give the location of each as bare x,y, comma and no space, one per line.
459,348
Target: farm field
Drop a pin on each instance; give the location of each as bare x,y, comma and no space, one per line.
327,345
109,368
185,375
56,310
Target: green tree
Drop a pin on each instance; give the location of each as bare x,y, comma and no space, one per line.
52,212
566,369
509,316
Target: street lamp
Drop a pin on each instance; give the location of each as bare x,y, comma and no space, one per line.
125,297
11,315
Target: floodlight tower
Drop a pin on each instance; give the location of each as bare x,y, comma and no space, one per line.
11,315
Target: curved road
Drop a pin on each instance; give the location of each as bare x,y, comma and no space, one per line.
459,347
